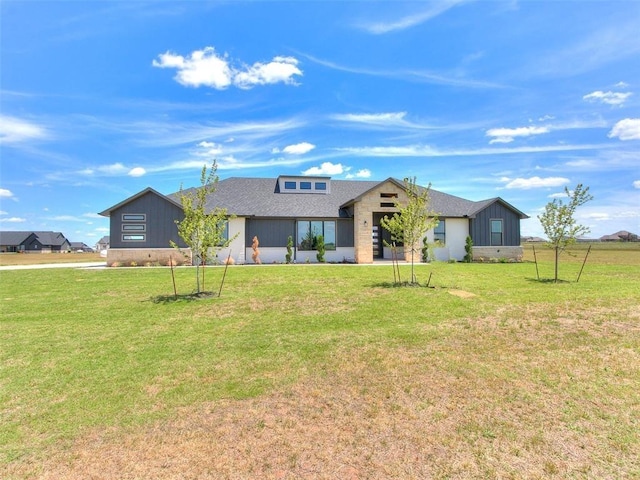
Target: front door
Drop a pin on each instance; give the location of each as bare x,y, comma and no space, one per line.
375,240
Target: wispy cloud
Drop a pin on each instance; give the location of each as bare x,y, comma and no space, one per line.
13,220
428,151
507,135
410,75
381,120
207,68
4,193
533,182
610,98
15,130
433,10
607,44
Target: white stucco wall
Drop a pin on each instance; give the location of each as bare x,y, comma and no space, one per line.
236,226
456,232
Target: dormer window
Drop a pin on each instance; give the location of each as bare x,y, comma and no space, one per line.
304,184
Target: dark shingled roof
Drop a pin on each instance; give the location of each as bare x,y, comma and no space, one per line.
260,197
45,238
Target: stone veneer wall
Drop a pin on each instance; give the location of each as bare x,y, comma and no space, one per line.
145,256
487,254
363,212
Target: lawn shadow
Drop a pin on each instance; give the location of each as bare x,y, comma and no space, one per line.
188,297
400,285
547,280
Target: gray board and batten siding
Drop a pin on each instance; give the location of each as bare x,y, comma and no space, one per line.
480,225
275,232
159,224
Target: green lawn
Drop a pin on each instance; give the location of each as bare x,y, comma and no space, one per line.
511,376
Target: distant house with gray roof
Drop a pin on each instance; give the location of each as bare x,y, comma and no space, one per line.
33,242
347,213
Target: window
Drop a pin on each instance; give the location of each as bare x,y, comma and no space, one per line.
305,185
309,230
439,234
133,238
134,217
496,232
138,224
225,232
321,185
387,204
388,195
290,185
133,227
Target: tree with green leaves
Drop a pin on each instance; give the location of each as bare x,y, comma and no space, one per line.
559,223
202,229
410,223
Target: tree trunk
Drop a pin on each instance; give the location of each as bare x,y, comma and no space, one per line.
555,279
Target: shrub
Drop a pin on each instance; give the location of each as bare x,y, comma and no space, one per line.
289,249
468,247
320,248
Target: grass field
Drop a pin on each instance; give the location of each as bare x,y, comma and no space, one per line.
44,258
324,372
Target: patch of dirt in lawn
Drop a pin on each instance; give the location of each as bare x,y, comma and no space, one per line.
461,293
479,401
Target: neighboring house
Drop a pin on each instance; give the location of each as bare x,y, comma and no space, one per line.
621,236
33,242
80,247
346,212
103,243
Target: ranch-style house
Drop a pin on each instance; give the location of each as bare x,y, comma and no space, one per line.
347,213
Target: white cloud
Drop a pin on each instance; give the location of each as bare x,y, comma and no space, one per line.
2,212
327,168
137,172
15,130
621,85
13,220
636,184
363,173
206,68
299,148
202,67
280,69
507,135
212,149
534,182
610,98
627,129
4,193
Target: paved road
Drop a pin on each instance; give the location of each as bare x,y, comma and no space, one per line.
55,265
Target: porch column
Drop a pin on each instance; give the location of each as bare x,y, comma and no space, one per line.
362,233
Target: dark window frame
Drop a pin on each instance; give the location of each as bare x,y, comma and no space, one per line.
440,232
494,241
300,241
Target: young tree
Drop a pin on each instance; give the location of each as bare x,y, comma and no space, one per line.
412,220
202,229
559,223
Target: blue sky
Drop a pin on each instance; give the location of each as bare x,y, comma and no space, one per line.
516,99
